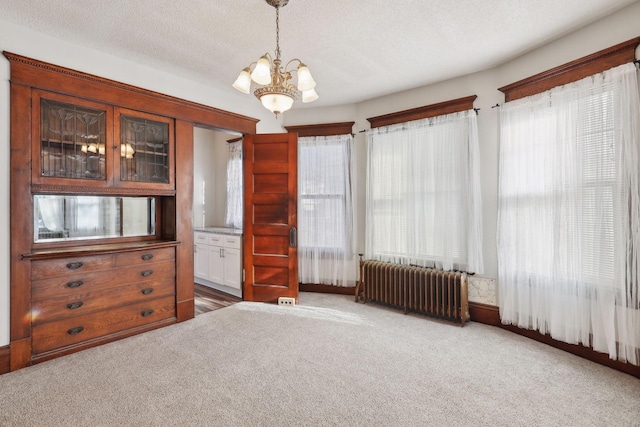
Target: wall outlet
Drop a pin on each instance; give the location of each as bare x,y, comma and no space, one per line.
286,301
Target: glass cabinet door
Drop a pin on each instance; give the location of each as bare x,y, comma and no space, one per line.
146,148
73,136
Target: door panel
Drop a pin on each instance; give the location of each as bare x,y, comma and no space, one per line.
270,200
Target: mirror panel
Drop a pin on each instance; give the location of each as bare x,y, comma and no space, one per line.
58,218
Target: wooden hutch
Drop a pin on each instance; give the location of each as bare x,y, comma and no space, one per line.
101,208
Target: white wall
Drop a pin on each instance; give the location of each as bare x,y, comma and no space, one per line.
210,154
204,180
602,34
220,158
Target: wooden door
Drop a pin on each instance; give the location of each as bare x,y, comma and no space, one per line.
270,216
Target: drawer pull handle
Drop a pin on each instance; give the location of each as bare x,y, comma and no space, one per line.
146,257
147,291
75,284
76,330
146,273
74,265
146,313
74,305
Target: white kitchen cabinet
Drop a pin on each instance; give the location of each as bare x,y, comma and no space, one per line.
218,259
201,261
201,256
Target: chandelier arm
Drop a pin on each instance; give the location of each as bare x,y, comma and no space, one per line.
286,67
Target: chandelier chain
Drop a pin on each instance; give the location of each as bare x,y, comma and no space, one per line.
277,32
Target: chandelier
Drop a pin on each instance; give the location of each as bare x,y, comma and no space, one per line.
276,90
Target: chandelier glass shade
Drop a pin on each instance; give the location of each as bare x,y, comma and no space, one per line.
276,90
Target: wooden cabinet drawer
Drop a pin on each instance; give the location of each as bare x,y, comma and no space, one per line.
80,284
89,301
70,266
145,257
53,335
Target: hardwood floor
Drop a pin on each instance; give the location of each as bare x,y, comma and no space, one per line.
207,299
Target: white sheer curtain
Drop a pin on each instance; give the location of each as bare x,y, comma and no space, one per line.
233,213
326,222
423,193
569,213
51,210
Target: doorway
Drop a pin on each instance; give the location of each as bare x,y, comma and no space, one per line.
217,241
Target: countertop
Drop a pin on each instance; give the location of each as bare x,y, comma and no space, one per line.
220,230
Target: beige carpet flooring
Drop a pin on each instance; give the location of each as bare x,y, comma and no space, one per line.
326,362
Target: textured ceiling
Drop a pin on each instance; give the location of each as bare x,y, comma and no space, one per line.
355,49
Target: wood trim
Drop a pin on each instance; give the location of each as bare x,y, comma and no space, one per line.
184,222
490,315
116,191
327,289
433,110
58,252
21,221
578,350
325,129
572,71
5,359
186,309
484,313
43,75
20,353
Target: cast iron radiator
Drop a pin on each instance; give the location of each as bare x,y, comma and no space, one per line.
438,293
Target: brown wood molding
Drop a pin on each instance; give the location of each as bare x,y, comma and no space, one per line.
20,353
119,191
490,315
5,359
578,350
38,74
184,222
484,313
327,289
98,249
433,110
21,226
572,71
185,310
324,129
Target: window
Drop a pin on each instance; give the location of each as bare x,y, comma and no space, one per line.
423,193
325,212
234,213
568,220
